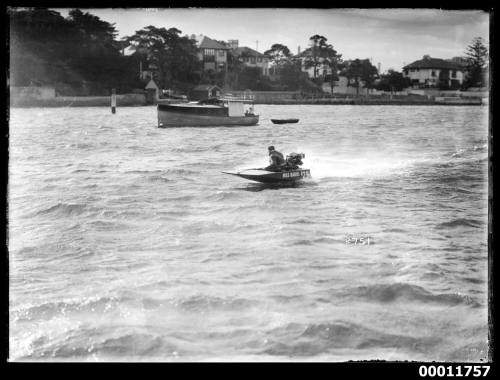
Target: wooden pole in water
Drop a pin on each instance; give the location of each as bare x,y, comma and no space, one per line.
113,100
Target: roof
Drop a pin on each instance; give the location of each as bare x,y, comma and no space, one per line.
433,63
206,87
208,43
151,84
246,51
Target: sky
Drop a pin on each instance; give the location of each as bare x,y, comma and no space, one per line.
391,37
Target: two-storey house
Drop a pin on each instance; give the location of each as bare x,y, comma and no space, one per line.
431,72
212,53
250,57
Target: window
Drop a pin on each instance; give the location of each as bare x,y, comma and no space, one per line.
433,73
221,53
259,59
454,74
252,59
209,52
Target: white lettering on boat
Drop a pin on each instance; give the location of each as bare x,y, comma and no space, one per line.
301,173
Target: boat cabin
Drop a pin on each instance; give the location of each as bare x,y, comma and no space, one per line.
205,91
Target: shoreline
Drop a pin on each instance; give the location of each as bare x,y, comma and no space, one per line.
56,103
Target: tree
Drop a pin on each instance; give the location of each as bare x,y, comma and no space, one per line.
78,55
249,77
360,71
91,28
172,58
317,53
292,78
234,68
334,62
278,54
477,59
393,81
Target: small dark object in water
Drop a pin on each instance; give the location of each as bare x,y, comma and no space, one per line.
284,121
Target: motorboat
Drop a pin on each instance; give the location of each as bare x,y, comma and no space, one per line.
223,111
290,172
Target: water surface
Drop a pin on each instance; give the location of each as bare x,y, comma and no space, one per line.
126,242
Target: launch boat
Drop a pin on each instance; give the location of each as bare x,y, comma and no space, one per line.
224,111
290,172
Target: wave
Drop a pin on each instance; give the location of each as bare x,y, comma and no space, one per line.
223,196
461,222
318,240
64,209
388,293
50,309
80,345
208,303
157,178
301,242
144,171
190,149
107,225
316,339
80,171
480,147
79,146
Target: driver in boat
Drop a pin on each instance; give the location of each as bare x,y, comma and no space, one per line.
276,160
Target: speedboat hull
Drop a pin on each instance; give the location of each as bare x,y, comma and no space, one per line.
264,176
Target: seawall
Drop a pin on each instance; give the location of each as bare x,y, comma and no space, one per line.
123,100
131,100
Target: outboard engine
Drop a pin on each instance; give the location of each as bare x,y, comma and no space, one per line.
294,160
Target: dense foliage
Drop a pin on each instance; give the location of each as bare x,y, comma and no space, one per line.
360,71
78,54
476,56
171,58
392,81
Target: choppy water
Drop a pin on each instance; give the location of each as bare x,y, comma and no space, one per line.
126,242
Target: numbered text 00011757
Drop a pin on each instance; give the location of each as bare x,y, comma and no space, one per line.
453,371
358,240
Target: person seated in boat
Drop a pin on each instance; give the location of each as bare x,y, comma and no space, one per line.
276,160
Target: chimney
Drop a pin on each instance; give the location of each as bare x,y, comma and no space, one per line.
378,67
233,44
298,50
426,57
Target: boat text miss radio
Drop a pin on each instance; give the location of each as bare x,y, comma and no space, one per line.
293,174
358,240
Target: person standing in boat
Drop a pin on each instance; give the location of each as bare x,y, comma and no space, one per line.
276,160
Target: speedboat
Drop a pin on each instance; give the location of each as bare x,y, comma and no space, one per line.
290,172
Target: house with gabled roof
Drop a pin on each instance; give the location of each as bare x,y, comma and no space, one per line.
250,57
212,53
430,72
